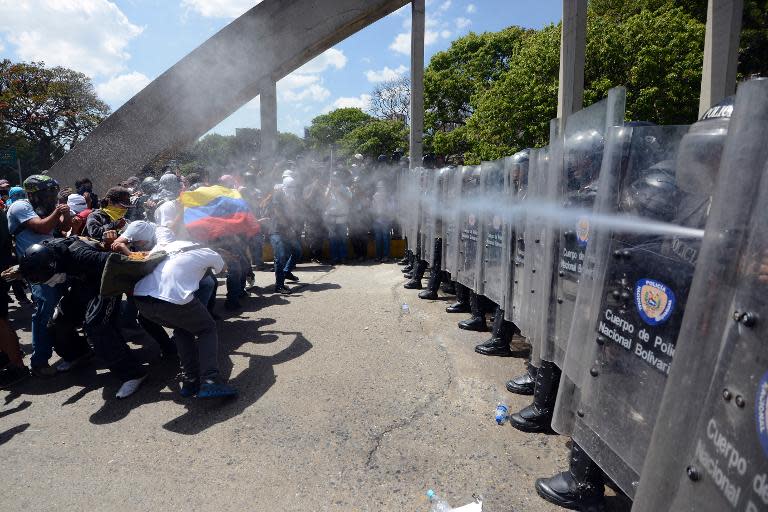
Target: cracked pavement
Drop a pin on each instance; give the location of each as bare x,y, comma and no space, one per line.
347,403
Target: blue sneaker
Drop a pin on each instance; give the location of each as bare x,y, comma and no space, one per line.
189,388
212,389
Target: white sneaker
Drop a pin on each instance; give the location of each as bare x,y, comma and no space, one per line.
129,387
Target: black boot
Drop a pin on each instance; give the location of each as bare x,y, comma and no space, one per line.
462,300
524,384
538,416
448,286
498,344
405,260
579,488
477,322
435,274
417,275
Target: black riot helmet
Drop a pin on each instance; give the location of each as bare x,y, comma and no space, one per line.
698,159
654,194
42,192
583,157
249,178
518,165
428,161
38,264
149,185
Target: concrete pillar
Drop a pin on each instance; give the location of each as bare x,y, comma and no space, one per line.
268,110
573,41
721,52
417,82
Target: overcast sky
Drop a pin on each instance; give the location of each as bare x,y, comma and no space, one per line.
124,44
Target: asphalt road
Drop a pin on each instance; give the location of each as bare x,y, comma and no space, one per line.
347,402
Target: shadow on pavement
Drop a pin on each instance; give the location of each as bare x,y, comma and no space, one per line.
252,383
11,433
20,407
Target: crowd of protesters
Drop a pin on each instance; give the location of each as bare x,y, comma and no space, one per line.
99,267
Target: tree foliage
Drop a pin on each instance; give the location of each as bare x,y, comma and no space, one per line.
50,108
392,99
655,54
375,138
330,128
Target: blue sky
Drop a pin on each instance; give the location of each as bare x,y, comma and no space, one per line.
124,44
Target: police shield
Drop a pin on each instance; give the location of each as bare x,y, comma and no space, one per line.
531,310
450,192
709,449
495,229
576,157
518,166
469,227
429,209
630,301
412,201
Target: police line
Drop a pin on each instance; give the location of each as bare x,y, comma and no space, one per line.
633,259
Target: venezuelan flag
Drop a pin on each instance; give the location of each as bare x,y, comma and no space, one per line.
215,212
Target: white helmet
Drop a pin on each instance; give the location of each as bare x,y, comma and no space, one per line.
287,173
288,182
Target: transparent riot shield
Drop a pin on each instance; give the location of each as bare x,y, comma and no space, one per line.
518,166
534,251
709,449
494,235
469,227
631,298
576,157
412,196
429,206
450,190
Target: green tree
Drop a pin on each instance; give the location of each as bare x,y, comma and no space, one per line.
290,146
51,108
515,111
376,138
655,54
455,76
330,128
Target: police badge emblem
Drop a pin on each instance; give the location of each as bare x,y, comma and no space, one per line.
655,301
582,231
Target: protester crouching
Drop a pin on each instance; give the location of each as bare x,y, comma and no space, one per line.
167,297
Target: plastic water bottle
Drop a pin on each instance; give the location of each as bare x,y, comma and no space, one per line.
437,504
406,309
502,413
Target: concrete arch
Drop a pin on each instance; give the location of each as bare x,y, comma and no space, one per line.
214,80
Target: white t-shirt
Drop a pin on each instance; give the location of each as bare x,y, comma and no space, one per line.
167,213
178,277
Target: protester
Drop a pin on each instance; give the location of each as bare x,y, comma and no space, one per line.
167,297
32,221
104,223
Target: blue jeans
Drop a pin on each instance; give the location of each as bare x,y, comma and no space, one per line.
282,257
207,289
338,241
46,298
257,249
381,233
294,250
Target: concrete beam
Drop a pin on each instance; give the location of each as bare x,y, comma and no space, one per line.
417,82
573,41
721,52
213,81
268,111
